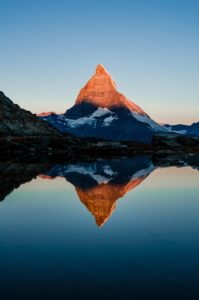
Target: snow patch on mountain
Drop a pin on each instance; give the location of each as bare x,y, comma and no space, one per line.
88,171
108,120
155,126
170,129
143,172
109,171
88,120
101,112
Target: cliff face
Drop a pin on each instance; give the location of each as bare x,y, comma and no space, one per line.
15,121
101,91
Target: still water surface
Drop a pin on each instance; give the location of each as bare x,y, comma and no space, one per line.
108,230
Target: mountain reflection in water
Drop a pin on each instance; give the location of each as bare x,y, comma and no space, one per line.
99,184
52,249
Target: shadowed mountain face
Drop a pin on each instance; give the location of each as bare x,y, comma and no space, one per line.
15,121
100,111
89,120
99,185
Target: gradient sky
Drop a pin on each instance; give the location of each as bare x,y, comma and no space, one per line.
49,49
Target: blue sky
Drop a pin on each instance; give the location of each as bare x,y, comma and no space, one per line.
49,49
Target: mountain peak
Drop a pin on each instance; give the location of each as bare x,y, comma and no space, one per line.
101,91
100,69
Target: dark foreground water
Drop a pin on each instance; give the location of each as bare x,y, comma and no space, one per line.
120,229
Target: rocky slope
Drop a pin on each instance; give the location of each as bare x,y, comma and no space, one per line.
15,121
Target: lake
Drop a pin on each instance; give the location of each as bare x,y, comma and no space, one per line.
107,229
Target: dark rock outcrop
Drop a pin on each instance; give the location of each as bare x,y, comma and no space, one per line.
15,174
15,121
73,148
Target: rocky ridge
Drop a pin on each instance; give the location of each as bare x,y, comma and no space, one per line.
15,121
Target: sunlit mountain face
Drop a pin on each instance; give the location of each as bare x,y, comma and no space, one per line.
100,111
100,184
101,91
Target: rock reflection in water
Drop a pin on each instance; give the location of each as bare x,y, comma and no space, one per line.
13,175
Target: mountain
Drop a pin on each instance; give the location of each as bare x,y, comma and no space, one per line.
44,114
100,184
15,121
190,130
100,111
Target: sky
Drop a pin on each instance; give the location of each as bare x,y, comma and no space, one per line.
50,48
